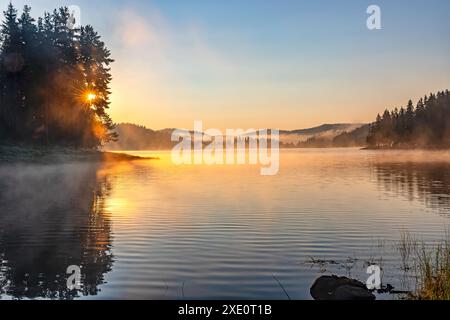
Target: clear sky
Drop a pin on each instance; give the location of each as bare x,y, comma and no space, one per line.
266,64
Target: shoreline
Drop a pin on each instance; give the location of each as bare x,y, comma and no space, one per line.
57,155
405,149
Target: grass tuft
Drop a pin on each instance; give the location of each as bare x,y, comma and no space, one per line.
434,272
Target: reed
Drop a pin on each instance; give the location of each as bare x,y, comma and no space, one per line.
434,272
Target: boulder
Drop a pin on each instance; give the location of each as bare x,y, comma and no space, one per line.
340,288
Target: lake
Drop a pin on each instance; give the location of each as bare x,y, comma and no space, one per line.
153,230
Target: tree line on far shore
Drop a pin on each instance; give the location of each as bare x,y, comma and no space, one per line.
54,81
424,125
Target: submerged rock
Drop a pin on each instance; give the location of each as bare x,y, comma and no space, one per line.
340,288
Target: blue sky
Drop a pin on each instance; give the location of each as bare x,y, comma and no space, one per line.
257,64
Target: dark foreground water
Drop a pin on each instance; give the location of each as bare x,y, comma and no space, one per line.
150,230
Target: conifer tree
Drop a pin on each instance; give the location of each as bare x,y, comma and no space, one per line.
54,81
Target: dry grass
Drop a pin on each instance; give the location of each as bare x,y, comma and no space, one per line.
431,266
407,248
434,272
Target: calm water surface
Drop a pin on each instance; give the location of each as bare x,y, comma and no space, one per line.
151,230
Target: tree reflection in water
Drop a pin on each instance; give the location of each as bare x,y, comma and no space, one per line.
52,217
428,182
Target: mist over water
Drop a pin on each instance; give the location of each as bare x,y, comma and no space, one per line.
52,217
149,229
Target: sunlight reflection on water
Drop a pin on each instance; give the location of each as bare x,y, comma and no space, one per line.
152,230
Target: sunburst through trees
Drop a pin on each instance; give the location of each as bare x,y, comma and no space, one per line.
54,81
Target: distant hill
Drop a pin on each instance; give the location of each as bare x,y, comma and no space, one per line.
136,137
324,128
325,132
355,138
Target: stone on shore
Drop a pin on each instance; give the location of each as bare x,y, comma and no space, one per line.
340,288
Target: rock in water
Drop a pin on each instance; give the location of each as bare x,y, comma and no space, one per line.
340,288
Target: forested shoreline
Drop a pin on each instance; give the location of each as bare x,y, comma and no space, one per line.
425,125
54,82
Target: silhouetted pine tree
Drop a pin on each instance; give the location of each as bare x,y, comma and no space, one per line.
47,71
9,72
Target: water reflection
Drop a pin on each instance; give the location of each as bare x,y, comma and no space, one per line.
215,232
50,218
427,182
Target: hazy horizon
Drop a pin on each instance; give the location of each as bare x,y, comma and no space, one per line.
281,129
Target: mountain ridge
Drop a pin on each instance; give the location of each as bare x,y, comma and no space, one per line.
139,137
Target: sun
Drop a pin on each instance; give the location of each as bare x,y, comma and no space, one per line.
90,97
